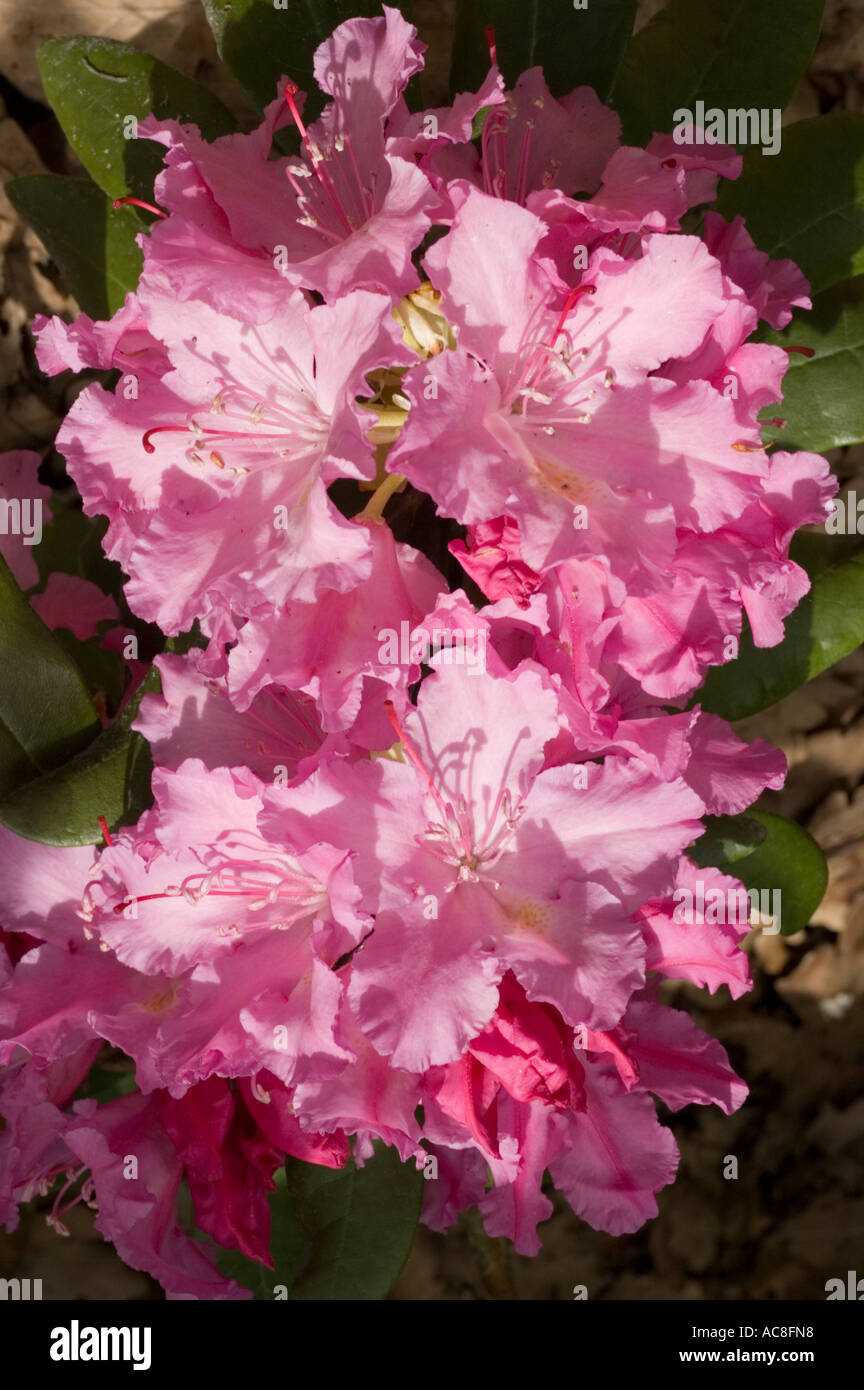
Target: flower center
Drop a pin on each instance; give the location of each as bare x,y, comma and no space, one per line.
259,883
550,383
289,414
542,371
457,839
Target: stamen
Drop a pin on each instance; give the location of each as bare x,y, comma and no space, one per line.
365,195
568,305
199,432
539,361
291,90
85,1194
490,40
302,890
403,739
550,177
522,172
106,833
317,159
138,203
493,150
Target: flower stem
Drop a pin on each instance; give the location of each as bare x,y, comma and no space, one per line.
393,483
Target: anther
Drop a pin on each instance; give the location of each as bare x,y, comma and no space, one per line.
568,305
291,90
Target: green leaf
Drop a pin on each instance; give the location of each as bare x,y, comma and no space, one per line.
807,202
574,47
357,1224
93,246
94,85
827,624
259,43
783,859
104,671
741,54
286,1249
46,714
823,396
110,778
726,840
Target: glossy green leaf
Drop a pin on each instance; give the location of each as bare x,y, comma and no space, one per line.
823,396
726,840
260,42
110,778
784,863
93,246
46,714
286,1250
357,1224
99,89
574,47
827,624
741,54
807,202
105,672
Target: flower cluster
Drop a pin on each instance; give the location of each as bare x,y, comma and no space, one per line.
360,911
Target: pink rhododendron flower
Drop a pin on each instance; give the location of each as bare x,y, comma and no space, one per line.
458,834
332,650
538,393
239,439
279,734
139,1216
531,1094
245,930
774,288
412,870
704,952
32,1146
230,1164
602,709
532,141
345,213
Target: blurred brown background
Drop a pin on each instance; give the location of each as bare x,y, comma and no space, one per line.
795,1216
